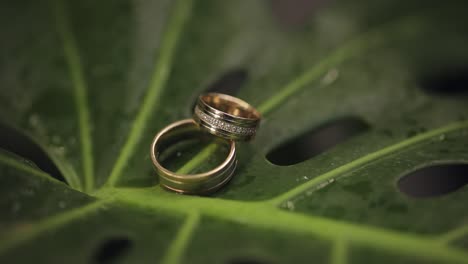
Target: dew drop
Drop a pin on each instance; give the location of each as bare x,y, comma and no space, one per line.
56,140
34,120
330,77
16,207
27,192
72,140
59,150
29,163
62,204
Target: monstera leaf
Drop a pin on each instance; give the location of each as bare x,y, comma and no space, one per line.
361,157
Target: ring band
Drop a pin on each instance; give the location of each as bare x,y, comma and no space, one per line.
201,183
226,116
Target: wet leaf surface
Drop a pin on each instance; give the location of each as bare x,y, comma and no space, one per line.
85,85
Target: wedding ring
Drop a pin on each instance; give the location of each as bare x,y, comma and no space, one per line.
226,116
201,183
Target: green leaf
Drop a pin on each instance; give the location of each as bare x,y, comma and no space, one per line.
91,82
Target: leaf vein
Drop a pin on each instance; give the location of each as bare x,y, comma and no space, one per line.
80,86
453,235
160,75
18,236
176,249
339,252
352,48
260,215
20,166
363,160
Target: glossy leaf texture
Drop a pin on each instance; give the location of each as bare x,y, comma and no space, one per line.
364,102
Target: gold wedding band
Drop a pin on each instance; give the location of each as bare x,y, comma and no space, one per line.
226,116
201,183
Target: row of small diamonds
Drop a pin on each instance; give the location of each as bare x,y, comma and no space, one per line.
223,125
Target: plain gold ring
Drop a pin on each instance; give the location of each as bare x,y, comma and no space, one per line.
201,183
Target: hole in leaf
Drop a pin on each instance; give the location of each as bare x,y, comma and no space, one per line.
449,82
21,145
295,13
435,180
229,83
316,141
110,250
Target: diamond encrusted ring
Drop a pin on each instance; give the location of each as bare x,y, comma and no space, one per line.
226,116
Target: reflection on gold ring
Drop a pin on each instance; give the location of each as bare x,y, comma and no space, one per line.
226,116
201,183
